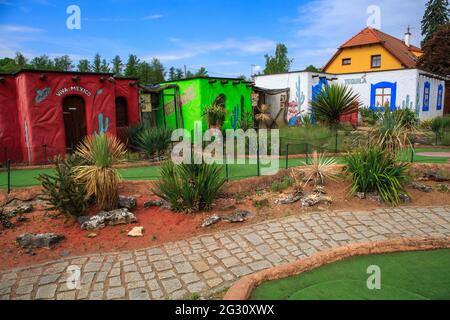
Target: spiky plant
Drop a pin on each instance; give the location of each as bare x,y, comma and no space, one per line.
264,117
101,180
333,102
189,187
154,141
321,169
215,114
375,170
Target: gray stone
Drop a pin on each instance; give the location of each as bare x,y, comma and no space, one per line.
20,208
139,294
107,218
313,199
39,240
210,221
115,293
171,285
290,198
421,187
237,216
46,292
157,203
127,202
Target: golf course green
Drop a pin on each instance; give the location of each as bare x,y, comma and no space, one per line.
418,275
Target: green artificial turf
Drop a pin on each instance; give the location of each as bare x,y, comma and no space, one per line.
25,178
404,276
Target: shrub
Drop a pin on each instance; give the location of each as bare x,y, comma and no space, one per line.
407,117
321,169
154,141
441,127
333,102
62,191
216,114
189,187
374,170
101,152
132,133
279,186
369,116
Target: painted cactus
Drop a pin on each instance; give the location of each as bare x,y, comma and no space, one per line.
102,124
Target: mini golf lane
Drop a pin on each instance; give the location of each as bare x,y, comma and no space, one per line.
406,275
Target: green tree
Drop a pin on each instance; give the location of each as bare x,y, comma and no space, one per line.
117,65
280,62
189,74
145,73
42,63
172,74
312,68
97,63
84,66
63,63
158,73
8,65
179,74
104,66
201,72
436,14
20,60
132,66
436,52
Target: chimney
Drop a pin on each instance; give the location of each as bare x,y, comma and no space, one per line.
407,38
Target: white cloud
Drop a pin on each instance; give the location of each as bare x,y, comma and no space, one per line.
189,49
153,17
18,28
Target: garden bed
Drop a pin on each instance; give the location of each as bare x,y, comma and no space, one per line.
161,226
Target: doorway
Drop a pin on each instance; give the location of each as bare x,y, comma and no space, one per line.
74,121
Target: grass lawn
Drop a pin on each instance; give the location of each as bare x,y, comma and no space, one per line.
408,275
26,178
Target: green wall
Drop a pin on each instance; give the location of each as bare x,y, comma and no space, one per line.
197,94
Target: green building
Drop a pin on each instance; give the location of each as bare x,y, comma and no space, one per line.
178,104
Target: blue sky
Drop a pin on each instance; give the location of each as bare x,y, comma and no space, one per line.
225,36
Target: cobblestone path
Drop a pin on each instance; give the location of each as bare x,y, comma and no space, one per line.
211,263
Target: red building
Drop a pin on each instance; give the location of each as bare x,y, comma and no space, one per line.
47,113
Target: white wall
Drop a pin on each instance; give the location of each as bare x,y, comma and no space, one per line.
409,87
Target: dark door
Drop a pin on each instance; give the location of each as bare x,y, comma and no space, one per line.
447,98
74,121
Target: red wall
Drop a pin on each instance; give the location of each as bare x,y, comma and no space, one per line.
9,123
39,119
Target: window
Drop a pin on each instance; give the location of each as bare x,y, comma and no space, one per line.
220,101
121,112
383,97
439,97
346,61
376,61
426,97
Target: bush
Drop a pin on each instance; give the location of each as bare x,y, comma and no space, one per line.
216,114
132,134
189,187
101,180
441,127
369,116
279,186
374,170
154,141
62,191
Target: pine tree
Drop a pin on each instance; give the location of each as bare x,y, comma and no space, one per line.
117,65
63,63
201,72
145,73
20,60
436,14
158,73
84,66
97,64
280,62
172,74
104,66
42,63
179,74
436,52
132,66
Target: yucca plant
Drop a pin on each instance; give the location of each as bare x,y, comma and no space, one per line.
393,131
264,117
154,141
101,180
321,169
189,187
132,133
374,170
333,102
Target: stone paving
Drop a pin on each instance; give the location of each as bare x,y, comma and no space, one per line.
211,263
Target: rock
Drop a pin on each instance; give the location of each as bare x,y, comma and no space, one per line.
210,221
127,202
374,196
91,235
290,198
319,189
237,216
404,198
434,175
22,218
40,240
136,232
157,203
360,195
445,188
4,221
421,187
313,199
107,218
22,208
64,253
